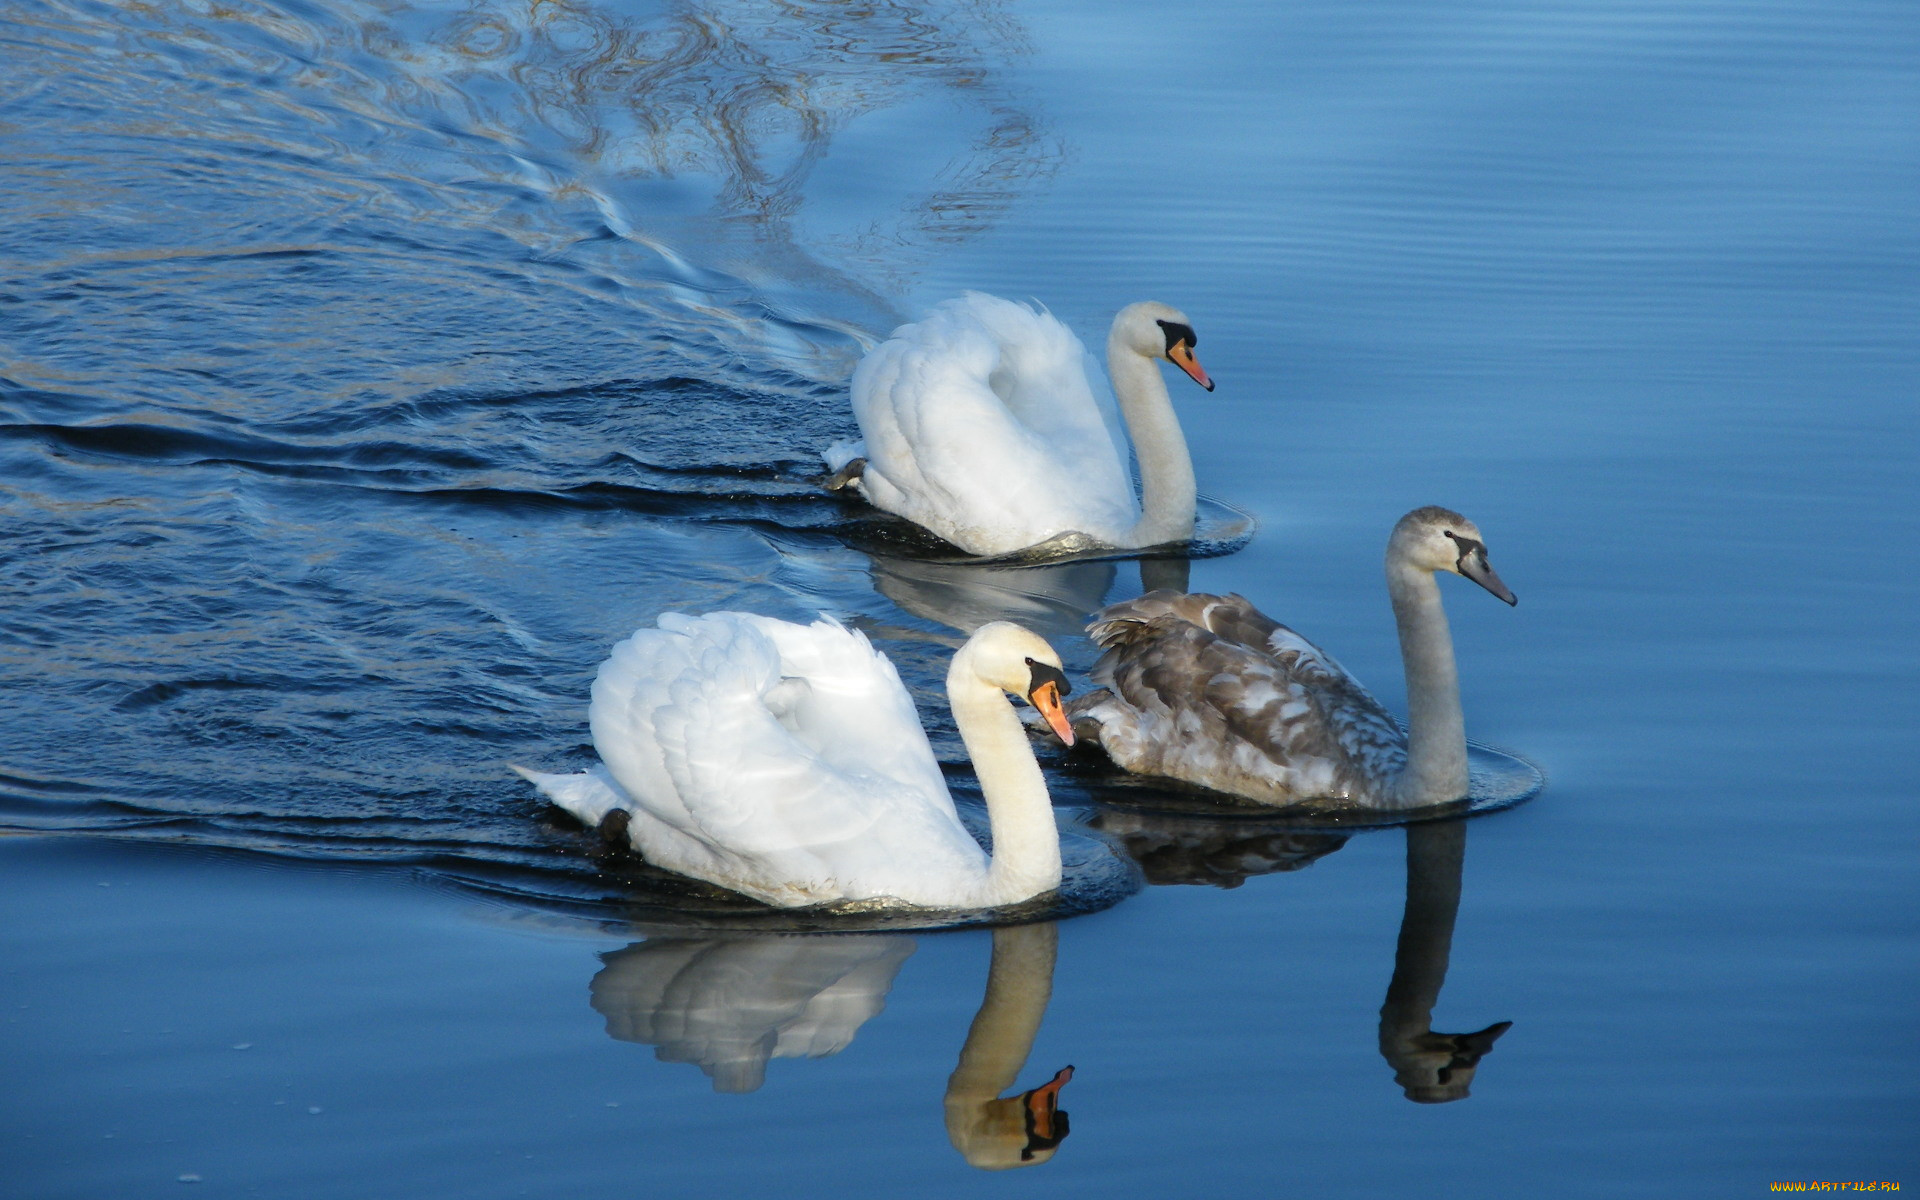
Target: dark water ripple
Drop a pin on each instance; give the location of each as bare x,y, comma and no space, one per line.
358,388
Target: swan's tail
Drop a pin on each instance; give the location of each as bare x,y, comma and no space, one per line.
844,451
589,796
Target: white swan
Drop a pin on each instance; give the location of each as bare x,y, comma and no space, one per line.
987,424
1210,690
786,762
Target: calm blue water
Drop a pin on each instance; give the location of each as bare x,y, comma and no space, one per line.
367,370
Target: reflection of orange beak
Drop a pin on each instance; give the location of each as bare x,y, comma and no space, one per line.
1182,356
1043,1104
1046,698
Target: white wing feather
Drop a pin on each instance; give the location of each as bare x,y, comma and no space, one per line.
794,793
988,423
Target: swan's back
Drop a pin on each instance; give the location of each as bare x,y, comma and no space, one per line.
988,423
1211,690
783,761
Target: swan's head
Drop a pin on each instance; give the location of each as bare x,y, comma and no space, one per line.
1021,663
1016,1131
1436,1068
1439,539
1154,330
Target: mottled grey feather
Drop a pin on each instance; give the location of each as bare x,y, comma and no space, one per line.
1210,690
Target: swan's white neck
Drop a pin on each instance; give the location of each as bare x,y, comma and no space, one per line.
1026,842
1436,768
1167,490
992,1132
1019,984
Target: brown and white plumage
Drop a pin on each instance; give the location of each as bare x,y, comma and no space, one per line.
1210,690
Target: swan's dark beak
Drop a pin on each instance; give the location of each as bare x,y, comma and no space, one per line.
1046,699
1046,1122
1474,567
1180,354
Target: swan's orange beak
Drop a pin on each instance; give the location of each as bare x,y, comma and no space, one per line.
1046,1124
1180,354
1046,699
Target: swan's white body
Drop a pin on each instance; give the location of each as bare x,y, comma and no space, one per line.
988,423
1210,690
786,762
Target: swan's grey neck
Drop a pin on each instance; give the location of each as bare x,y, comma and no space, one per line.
1436,852
1436,768
1026,843
1431,1067
1167,490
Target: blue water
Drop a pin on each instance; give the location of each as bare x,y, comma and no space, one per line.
367,370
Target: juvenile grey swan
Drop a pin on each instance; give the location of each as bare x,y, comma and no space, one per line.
1210,690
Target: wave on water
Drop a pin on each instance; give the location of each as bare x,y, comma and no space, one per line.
369,370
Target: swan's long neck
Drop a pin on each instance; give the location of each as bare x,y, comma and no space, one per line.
989,1131
1436,769
1019,984
1436,852
1026,842
1167,490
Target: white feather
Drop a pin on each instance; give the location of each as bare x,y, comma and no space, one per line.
782,761
989,424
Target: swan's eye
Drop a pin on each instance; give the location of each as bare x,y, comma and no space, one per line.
1177,333
1040,674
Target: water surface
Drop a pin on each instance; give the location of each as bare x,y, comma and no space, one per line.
369,369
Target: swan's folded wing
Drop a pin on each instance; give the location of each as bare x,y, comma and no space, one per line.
1204,698
754,788
1049,383
1231,617
632,686
1365,730
1277,716
856,714
987,439
843,753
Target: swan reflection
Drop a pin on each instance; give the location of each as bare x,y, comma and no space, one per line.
1433,1068
730,1003
1169,573
994,1132
1053,601
1222,852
